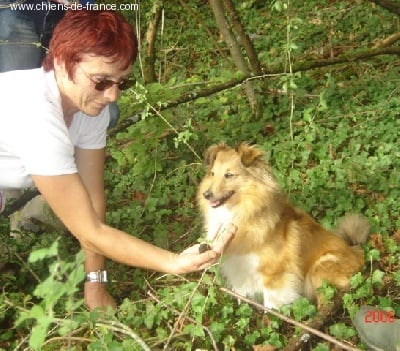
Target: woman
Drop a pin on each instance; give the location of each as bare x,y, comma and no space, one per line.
52,134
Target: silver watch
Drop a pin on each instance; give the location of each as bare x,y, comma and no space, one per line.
97,277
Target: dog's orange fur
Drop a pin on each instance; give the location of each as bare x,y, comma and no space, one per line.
278,251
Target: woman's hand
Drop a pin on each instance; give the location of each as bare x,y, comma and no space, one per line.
96,295
191,260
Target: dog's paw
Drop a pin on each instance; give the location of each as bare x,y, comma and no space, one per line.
203,247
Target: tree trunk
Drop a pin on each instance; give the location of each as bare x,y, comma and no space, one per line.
244,38
234,47
149,72
196,15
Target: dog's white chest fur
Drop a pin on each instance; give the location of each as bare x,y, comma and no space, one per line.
216,218
242,271
243,277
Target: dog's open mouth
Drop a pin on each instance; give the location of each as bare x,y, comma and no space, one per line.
214,202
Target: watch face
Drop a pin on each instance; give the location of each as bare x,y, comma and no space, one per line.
97,277
103,276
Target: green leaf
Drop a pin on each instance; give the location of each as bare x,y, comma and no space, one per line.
377,277
302,308
217,329
356,280
321,347
67,326
43,253
374,255
342,331
39,332
396,277
194,330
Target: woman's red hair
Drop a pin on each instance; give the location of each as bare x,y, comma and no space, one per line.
100,33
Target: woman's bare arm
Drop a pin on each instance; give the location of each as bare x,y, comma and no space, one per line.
69,199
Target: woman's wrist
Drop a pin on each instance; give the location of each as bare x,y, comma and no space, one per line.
172,266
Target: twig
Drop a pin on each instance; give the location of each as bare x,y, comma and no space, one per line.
390,40
317,322
190,319
68,338
122,328
181,316
157,113
27,266
290,320
290,63
19,345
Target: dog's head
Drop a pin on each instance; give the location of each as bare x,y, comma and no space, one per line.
233,173
248,154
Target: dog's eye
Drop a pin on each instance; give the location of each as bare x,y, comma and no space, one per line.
228,175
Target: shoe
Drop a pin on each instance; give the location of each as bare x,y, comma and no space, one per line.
378,329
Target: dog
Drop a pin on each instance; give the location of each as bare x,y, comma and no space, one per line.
279,253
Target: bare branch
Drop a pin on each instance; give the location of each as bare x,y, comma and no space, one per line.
276,70
19,202
389,5
291,321
123,329
390,40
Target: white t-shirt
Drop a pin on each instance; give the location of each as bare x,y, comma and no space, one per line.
33,136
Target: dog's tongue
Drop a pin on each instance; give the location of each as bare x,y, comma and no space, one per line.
214,203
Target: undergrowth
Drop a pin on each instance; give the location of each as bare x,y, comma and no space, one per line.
331,136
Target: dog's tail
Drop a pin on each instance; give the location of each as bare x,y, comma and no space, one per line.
354,228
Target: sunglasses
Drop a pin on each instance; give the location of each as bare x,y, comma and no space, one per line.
104,84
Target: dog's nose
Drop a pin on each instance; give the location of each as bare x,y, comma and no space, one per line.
208,194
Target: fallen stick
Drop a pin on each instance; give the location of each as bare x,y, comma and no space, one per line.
302,338
20,202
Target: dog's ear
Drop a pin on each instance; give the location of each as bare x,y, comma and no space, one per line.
211,153
249,154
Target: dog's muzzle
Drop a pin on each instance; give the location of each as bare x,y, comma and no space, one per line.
215,202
